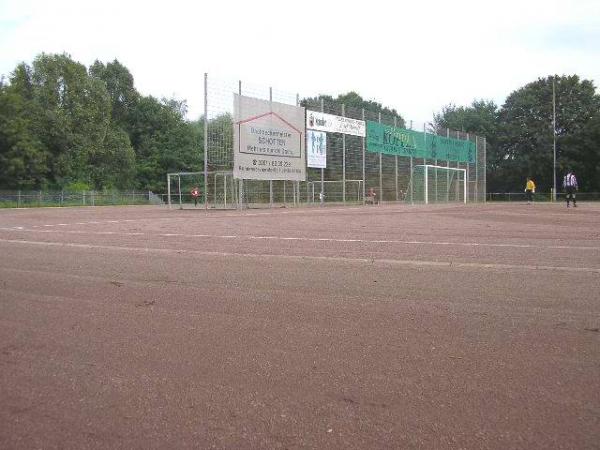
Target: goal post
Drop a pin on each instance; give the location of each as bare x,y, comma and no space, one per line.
435,184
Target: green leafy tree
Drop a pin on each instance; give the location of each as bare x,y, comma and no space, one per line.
113,164
163,141
355,103
525,134
481,118
23,158
587,166
57,130
519,135
120,87
76,115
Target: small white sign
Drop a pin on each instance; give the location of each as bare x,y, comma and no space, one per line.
335,124
316,149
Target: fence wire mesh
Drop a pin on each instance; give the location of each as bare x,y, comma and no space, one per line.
352,175
29,199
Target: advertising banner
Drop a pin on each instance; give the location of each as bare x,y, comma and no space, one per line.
316,149
398,141
268,140
392,141
334,124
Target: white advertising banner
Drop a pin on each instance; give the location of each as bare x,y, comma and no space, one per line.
268,140
316,149
335,124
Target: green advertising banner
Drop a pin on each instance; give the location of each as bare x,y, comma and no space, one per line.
400,142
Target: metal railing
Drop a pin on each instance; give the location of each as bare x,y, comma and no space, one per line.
33,199
538,196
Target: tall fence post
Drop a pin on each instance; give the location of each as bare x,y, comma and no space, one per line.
447,171
271,181
396,163
435,163
412,198
363,163
458,167
380,171
169,190
425,145
306,162
344,159
205,143
484,165
322,196
241,181
225,191
468,190
476,169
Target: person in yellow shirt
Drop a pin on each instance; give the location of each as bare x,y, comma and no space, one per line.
529,190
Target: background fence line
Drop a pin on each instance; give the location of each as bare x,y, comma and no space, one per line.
309,196
389,176
25,199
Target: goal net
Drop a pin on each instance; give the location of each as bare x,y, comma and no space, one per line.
438,184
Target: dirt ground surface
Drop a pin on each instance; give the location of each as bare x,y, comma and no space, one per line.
467,326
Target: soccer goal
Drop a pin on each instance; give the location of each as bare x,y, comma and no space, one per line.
436,184
333,191
220,190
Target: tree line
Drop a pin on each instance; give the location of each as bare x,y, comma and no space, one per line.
520,133
67,126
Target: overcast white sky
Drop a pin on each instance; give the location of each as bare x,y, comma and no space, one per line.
412,56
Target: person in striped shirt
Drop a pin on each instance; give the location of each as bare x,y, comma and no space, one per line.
570,186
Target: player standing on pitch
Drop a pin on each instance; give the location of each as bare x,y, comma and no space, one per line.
195,194
529,190
570,186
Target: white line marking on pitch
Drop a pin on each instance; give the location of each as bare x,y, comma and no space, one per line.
357,209
392,241
370,261
308,239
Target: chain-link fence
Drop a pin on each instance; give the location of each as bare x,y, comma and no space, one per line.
544,197
353,174
28,199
